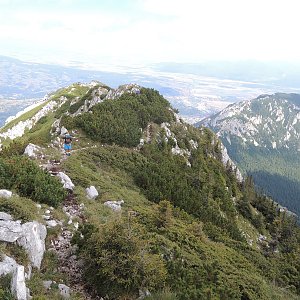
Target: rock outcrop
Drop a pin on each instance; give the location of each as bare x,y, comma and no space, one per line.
91,192
5,217
227,160
33,241
66,181
7,265
114,205
18,286
19,128
64,290
31,236
32,150
5,194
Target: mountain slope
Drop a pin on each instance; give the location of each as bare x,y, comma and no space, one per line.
263,137
171,218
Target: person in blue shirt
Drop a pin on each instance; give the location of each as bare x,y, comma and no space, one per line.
68,144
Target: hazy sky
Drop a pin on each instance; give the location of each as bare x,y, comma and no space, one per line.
142,31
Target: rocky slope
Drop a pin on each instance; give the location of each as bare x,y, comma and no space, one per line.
269,121
146,206
263,136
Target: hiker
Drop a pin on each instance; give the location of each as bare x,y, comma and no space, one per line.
68,144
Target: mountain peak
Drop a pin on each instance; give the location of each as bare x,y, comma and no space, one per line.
269,121
262,136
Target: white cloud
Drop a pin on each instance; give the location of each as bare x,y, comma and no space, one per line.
233,28
155,30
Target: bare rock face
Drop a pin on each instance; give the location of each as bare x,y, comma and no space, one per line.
33,241
7,265
31,236
64,291
130,88
47,284
18,286
51,223
10,231
5,217
63,131
226,159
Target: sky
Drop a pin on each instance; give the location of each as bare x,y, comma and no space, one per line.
132,32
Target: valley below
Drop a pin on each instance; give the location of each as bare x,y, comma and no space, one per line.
194,94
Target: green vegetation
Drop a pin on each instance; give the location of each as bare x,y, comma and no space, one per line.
23,117
194,223
120,121
123,263
70,92
18,253
5,293
28,180
279,179
262,137
199,252
20,208
187,229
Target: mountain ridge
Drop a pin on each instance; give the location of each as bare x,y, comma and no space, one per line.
263,135
170,219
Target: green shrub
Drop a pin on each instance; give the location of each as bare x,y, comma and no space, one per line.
164,214
18,253
14,148
25,176
62,109
118,263
20,208
5,293
120,121
166,294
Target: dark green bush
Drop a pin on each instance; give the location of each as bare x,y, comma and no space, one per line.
120,121
25,176
5,293
118,262
14,148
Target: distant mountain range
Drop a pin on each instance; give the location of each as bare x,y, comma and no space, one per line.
263,137
196,90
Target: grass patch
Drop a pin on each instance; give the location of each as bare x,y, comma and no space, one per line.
70,92
249,230
15,251
40,132
49,268
27,115
5,293
20,208
166,294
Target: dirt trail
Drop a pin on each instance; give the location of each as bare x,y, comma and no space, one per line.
66,253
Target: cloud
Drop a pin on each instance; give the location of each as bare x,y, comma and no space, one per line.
152,30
